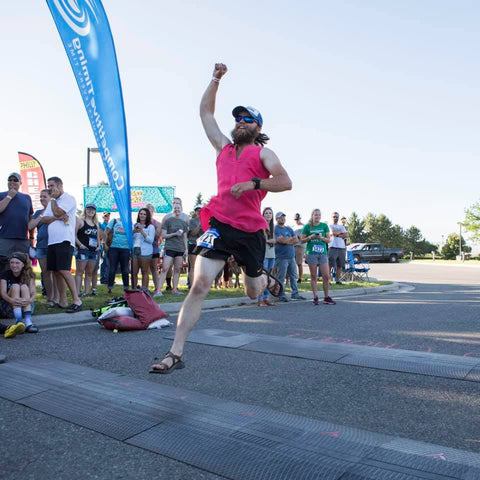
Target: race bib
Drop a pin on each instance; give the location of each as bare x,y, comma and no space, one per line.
92,242
208,238
318,249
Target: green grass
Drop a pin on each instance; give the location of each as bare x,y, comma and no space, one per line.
441,260
102,298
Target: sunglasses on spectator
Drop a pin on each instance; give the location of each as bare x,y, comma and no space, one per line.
246,119
13,179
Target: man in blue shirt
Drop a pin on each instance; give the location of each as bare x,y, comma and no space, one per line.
285,239
15,213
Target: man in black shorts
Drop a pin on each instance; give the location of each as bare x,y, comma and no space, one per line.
232,220
60,217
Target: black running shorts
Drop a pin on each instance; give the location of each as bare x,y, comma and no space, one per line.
222,240
59,256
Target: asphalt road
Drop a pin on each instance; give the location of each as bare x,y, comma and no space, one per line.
440,315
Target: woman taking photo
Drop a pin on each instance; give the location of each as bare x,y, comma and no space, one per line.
317,235
269,261
143,236
88,245
17,291
118,252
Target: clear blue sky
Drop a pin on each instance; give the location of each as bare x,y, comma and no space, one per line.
370,105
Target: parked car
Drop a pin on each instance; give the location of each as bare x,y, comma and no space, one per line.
374,252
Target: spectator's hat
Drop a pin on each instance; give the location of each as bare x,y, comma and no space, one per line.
252,111
19,256
16,175
197,207
106,213
279,214
297,216
91,205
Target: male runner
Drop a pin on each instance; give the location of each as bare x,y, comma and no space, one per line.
232,220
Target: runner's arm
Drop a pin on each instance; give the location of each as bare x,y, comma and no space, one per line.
207,110
278,182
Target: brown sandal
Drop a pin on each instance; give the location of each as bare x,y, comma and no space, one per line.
276,289
268,303
177,363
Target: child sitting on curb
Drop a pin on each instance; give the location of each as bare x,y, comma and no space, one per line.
17,292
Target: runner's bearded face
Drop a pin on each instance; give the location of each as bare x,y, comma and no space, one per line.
245,133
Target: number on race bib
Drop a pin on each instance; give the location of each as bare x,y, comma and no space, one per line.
92,242
208,238
318,249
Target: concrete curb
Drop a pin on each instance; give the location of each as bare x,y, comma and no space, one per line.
85,316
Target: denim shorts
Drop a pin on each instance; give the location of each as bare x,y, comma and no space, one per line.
316,259
41,252
84,255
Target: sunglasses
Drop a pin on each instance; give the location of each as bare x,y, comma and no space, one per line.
246,119
13,179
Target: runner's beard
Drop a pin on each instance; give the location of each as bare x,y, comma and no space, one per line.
242,136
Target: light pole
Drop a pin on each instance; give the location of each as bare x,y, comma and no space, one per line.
95,150
460,224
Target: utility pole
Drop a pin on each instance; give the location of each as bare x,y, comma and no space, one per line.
95,150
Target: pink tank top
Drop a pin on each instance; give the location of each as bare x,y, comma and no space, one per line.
243,213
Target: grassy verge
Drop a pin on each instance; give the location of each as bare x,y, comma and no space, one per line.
450,262
102,297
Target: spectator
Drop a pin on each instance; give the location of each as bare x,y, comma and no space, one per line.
194,232
285,239
17,289
118,252
343,221
174,231
299,247
336,249
88,244
156,251
317,235
15,213
143,236
184,217
41,249
269,260
61,220
103,253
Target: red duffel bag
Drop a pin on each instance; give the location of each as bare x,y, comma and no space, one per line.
122,323
144,306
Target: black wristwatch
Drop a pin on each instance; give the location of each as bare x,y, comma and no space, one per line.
256,181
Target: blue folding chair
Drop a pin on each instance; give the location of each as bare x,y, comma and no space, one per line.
356,270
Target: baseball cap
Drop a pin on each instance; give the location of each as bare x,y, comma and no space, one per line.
91,205
17,175
297,216
278,215
251,110
197,207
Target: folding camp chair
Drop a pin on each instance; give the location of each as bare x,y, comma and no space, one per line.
355,271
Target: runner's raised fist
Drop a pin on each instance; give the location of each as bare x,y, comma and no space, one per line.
220,70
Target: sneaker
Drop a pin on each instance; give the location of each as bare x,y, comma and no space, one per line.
32,328
315,301
158,293
329,301
298,297
168,288
14,330
177,292
94,292
339,283
283,299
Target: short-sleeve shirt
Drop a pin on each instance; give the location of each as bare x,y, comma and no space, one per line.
10,278
120,239
337,242
316,246
192,225
14,219
58,230
298,232
171,225
283,251
42,231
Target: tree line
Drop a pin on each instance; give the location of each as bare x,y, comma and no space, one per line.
380,229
